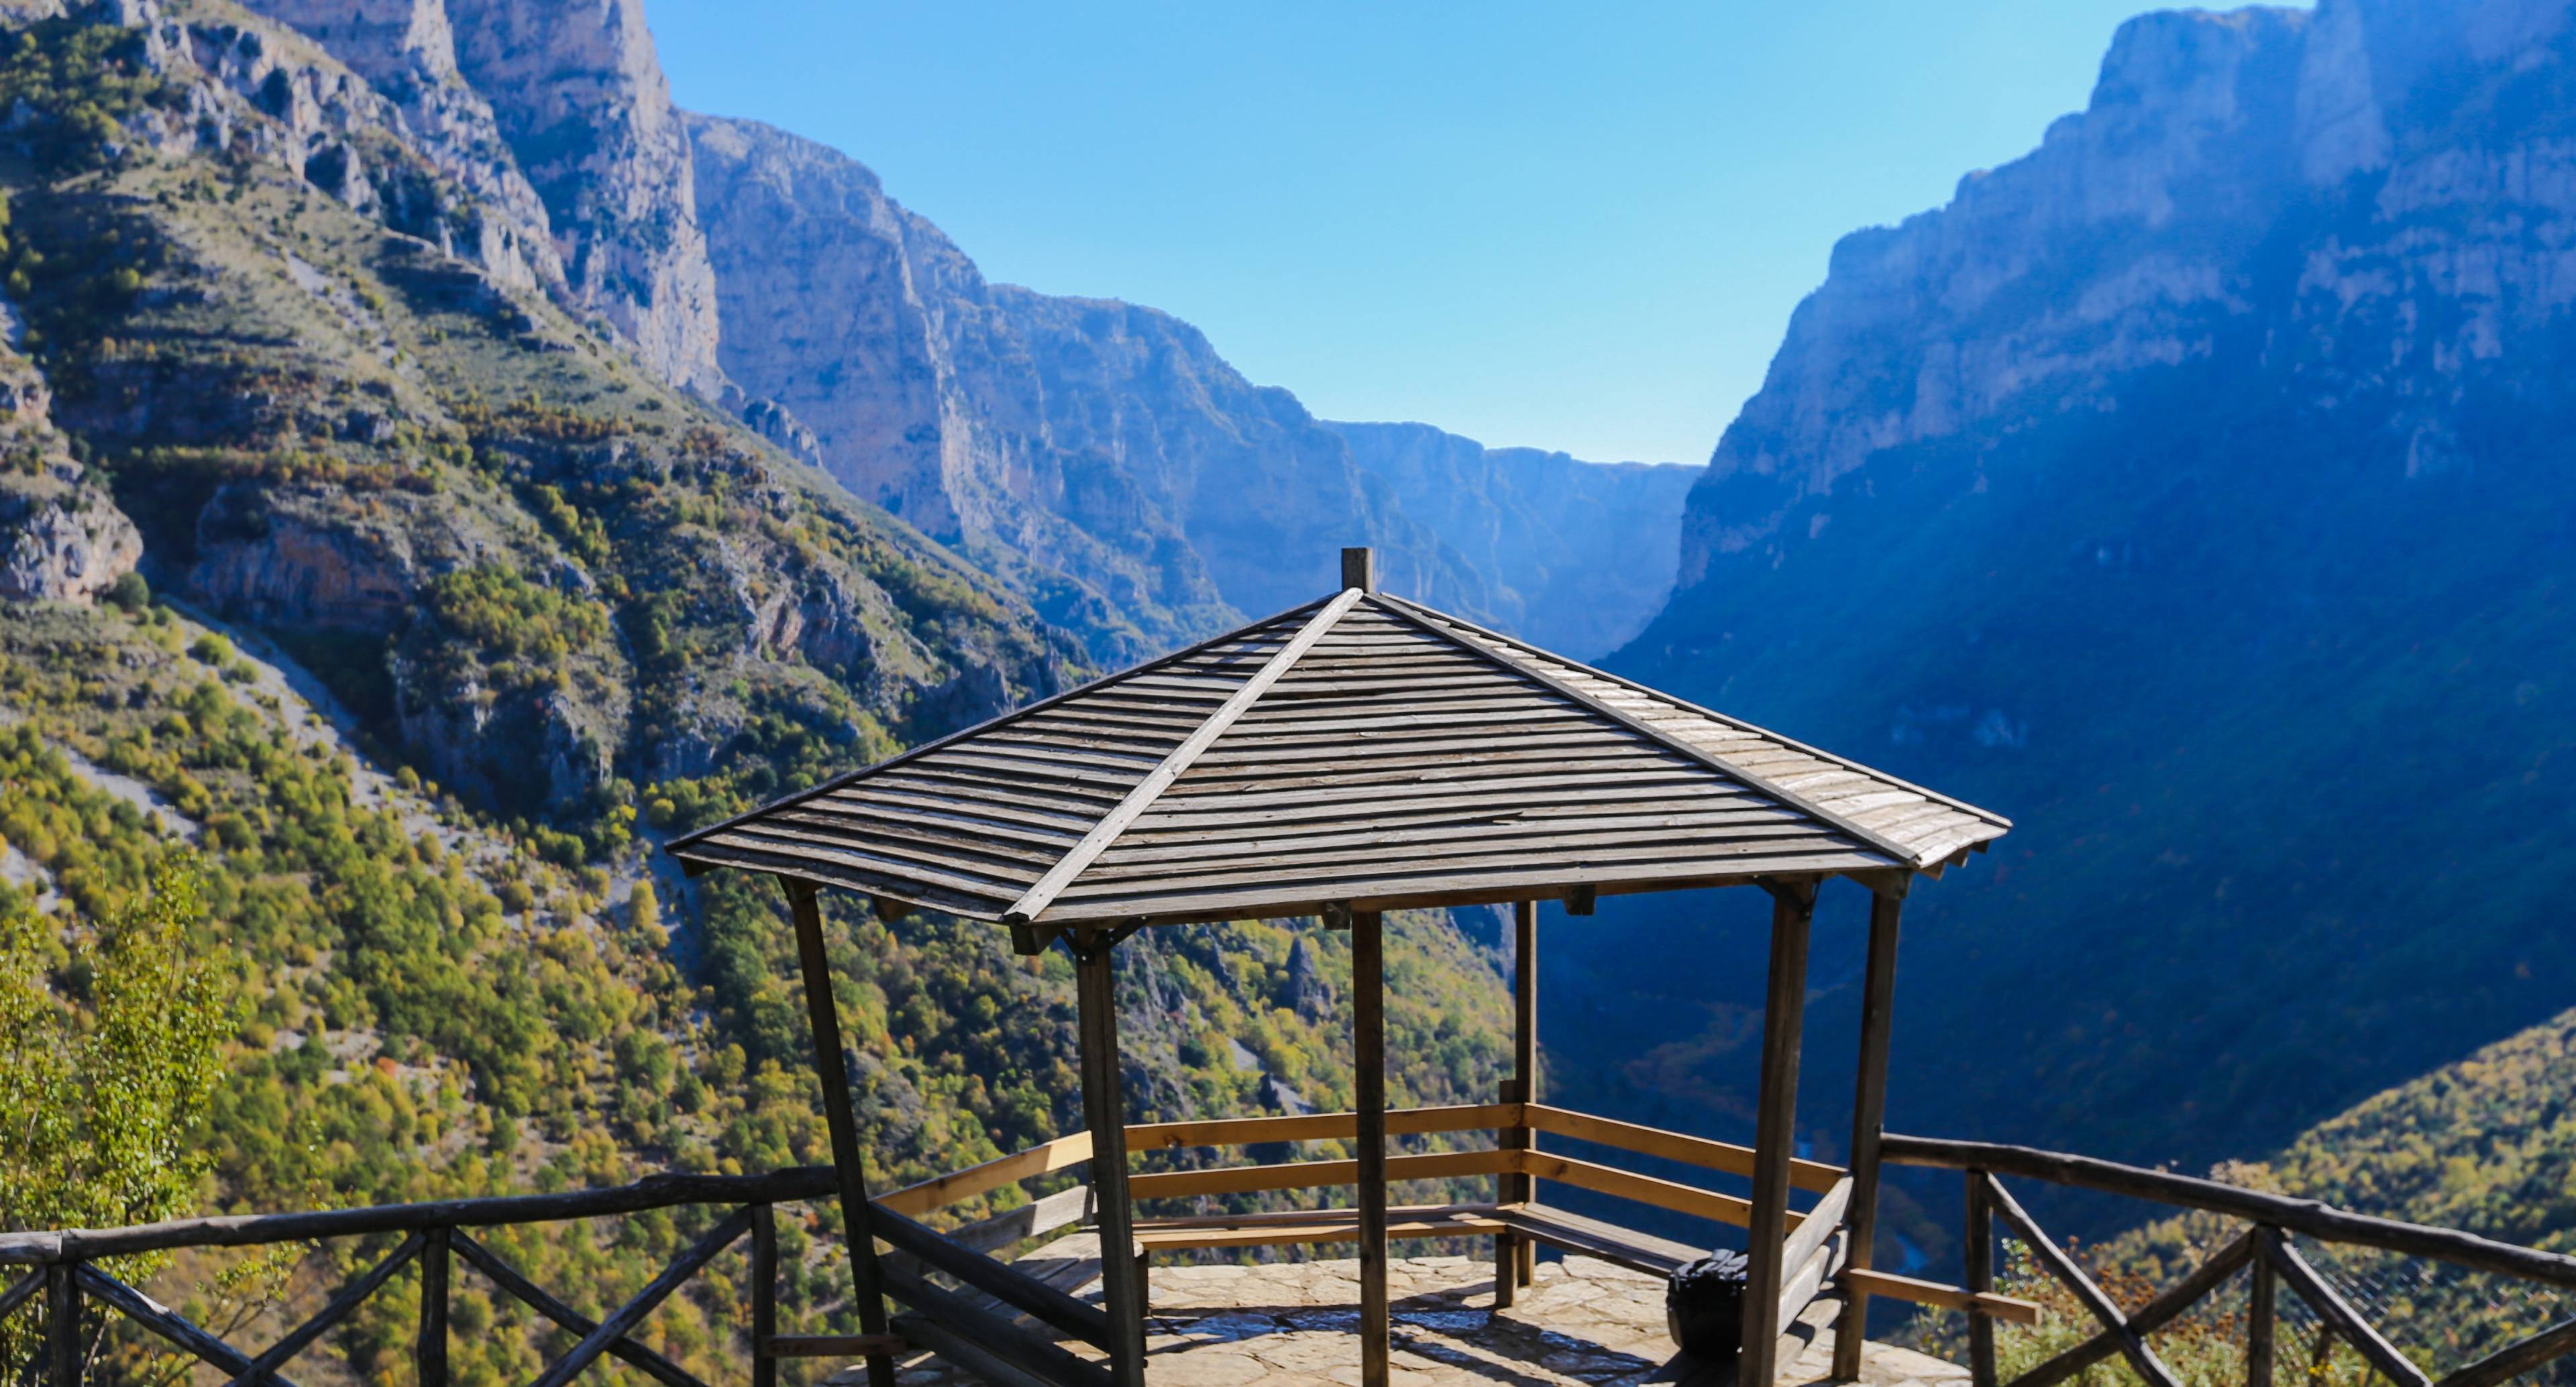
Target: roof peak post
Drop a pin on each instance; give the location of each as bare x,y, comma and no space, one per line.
1359,570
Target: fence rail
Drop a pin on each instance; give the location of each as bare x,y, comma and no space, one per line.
977,1327
2263,1247
62,1275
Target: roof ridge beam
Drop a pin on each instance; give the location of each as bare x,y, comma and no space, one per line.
1421,619
1083,854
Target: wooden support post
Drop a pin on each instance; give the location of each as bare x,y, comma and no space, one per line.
1775,1134
1869,1113
1509,1188
1514,1254
1104,1113
1979,1236
833,1071
2261,1322
764,1295
62,1325
1368,1089
429,1349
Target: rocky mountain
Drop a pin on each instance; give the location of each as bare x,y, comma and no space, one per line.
1099,458
374,557
1573,554
1102,456
561,121
2193,490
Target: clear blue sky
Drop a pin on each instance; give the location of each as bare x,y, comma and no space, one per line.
1576,227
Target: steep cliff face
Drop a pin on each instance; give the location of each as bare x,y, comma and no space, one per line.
405,51
582,101
519,556
1101,455
2192,490
1575,555
62,539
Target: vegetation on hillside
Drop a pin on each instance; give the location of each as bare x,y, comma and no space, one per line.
2487,1145
565,611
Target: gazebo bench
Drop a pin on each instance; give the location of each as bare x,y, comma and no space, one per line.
1540,1223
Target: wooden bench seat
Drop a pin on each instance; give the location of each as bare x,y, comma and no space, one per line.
1538,1222
1301,1226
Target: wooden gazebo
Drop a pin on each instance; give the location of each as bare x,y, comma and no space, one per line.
1360,754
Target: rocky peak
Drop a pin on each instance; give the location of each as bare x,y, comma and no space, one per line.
388,42
581,99
2070,267
406,51
2210,448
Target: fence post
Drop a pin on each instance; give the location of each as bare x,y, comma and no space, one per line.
2259,1321
62,1324
764,1295
1980,1237
429,1351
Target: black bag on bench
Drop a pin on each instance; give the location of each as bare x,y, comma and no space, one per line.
1704,1307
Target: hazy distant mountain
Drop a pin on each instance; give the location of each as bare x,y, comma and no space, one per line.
1100,455
2196,490
1575,555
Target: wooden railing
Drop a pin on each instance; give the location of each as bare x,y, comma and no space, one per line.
64,1276
982,1327
2263,1246
973,1327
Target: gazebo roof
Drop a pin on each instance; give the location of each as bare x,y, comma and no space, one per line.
1360,751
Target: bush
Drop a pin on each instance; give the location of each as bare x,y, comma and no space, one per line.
130,593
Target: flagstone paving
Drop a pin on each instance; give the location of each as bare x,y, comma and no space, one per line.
1583,1323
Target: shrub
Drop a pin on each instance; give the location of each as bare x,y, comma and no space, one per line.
130,593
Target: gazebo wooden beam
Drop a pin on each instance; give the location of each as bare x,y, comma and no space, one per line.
848,1164
1515,1256
1368,1085
1793,907
1122,1280
1869,1113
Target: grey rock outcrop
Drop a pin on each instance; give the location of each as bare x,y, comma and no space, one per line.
581,99
62,539
68,545
406,51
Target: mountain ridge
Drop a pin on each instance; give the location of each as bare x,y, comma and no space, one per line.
1152,493
2185,490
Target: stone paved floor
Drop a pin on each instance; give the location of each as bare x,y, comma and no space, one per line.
1584,1323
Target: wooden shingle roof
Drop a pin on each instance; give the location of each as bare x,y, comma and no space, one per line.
1359,751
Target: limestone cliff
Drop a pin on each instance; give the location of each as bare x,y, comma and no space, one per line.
405,51
2194,490
582,101
1102,454
511,549
62,539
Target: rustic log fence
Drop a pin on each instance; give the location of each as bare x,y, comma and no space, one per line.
2263,1247
63,1273
1009,1327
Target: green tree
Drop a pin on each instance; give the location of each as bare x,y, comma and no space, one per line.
108,1069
